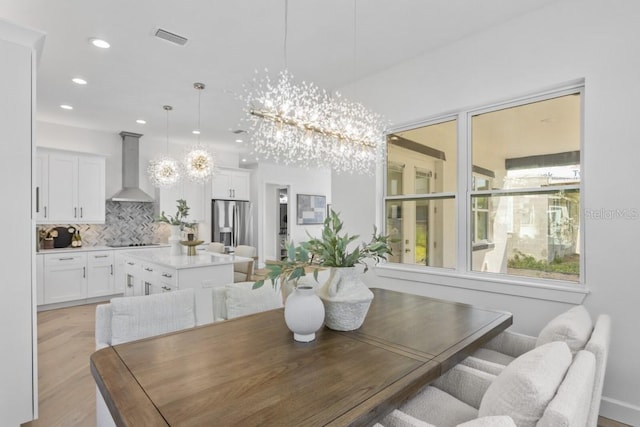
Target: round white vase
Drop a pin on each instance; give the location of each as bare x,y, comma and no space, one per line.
304,313
346,299
175,248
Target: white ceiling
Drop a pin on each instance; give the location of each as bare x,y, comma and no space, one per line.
228,41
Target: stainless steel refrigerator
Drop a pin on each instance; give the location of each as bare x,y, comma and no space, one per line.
231,222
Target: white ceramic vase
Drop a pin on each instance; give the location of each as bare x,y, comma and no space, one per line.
175,248
304,313
346,299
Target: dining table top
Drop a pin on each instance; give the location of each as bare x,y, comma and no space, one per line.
249,371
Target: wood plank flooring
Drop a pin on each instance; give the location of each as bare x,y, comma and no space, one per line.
66,388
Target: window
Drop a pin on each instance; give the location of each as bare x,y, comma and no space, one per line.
420,202
518,198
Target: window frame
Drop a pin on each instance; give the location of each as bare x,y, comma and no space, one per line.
462,275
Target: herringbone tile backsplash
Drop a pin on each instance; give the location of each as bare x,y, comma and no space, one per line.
125,222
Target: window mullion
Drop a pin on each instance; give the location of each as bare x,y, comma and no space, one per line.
463,216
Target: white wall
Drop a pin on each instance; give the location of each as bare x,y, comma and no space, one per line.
265,179
18,326
589,39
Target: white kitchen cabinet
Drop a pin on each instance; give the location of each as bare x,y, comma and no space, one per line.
101,273
231,184
120,276
73,188
65,277
193,193
39,279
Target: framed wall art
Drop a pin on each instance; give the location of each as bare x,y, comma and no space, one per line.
311,209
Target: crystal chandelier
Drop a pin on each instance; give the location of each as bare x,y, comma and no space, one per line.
164,171
198,162
302,124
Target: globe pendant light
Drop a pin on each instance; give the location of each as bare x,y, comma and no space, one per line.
198,162
164,171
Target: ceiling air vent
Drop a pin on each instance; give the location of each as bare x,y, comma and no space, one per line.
170,37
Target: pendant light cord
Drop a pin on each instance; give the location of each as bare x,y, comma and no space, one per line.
355,48
286,29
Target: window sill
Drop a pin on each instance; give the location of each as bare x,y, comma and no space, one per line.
484,282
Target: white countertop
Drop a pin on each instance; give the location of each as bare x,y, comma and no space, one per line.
202,259
99,248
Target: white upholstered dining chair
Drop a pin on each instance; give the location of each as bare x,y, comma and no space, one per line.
240,299
132,318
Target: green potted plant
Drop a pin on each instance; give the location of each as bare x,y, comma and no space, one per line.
180,218
177,223
346,298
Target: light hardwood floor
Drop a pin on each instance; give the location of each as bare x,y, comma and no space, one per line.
66,390
66,387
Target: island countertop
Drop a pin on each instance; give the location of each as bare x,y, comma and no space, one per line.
178,262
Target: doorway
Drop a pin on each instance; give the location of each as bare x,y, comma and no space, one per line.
283,221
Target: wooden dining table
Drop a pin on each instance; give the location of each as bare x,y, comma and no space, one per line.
249,371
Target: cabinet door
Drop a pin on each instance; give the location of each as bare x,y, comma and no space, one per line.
65,278
221,185
240,182
39,279
120,275
42,186
63,188
91,189
194,195
101,272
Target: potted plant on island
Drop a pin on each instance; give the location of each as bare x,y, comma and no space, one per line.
177,224
346,298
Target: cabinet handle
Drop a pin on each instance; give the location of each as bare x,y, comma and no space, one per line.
45,211
80,212
65,259
167,275
111,269
37,199
101,256
148,269
131,263
75,212
84,272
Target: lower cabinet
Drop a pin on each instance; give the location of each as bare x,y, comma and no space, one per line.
101,273
65,277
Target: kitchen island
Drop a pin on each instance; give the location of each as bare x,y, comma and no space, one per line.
149,272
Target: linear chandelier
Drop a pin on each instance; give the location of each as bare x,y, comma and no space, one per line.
165,171
304,125
198,162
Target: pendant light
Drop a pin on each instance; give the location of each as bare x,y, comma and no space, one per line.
164,171
198,162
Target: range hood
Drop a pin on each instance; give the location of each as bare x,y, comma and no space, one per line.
131,191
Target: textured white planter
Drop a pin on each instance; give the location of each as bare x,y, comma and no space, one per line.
174,241
346,299
304,313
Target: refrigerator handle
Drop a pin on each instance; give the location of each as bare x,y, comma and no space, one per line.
235,226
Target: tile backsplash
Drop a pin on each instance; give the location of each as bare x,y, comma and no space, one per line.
125,222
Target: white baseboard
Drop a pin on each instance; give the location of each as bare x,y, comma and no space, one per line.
620,411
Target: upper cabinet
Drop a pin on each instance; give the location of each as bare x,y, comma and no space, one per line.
192,193
70,188
231,184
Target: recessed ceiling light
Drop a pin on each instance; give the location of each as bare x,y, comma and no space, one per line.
100,43
244,160
195,132
79,81
66,107
141,122
239,140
